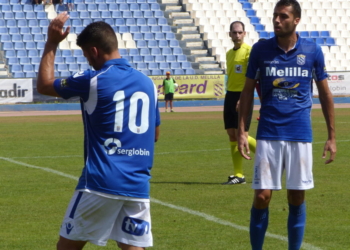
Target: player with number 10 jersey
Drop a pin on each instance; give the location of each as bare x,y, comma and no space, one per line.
120,114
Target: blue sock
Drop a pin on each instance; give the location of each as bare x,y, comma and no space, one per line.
296,226
259,219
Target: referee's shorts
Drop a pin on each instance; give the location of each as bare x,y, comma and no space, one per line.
230,113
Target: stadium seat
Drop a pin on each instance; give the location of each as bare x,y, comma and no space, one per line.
166,29
148,58
158,14
19,46
145,51
15,68
330,41
145,29
162,21
163,43
136,59
133,52
314,34
163,65
141,66
141,22
144,6
130,22
124,29
18,75
153,66
102,7
190,72
174,43
181,58
152,22
155,51
19,15
175,65
170,58
137,36
12,60
11,23
16,38
156,72
148,14
10,54
156,29
186,65
155,6
179,72
148,36
137,14
159,58
177,51
28,68
146,72
126,14
35,59
159,36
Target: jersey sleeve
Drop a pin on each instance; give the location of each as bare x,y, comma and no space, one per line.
157,116
77,85
320,72
253,63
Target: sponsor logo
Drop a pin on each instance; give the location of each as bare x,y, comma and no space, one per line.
69,227
64,83
288,71
16,91
301,59
78,74
135,227
271,62
307,181
113,146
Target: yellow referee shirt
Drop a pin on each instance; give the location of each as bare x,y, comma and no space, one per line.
236,67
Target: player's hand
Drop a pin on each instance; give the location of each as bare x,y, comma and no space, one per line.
55,33
243,146
332,148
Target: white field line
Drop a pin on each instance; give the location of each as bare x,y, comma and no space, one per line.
208,217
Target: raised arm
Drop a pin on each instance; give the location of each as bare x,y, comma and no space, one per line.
326,100
46,75
246,102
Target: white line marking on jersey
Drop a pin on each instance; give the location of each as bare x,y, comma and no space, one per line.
208,217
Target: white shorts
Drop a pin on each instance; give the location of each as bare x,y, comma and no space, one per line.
96,219
273,157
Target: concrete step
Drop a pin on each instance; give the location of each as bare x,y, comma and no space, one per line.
169,2
187,28
183,21
178,14
173,8
213,72
205,58
191,37
195,45
209,66
198,51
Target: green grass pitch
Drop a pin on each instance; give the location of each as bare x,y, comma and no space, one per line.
190,208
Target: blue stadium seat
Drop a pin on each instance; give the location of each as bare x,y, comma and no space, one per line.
162,21
13,30
81,59
76,23
148,14
320,41
141,1
330,41
81,7
324,34
155,6
30,46
45,23
134,29
30,15
28,68
10,53
153,66
40,45
246,6
110,21
119,22
136,59
19,15
174,44
144,51
130,1
163,44
158,14
130,22
177,51
163,65
59,60
127,14
156,72
141,22
110,1
64,73
159,36
141,44
33,53
19,46
152,22
60,8
95,14
116,14
148,58
22,23
181,58
70,60
102,7
124,29
35,60
128,58
12,60
186,65
16,38
18,75
124,7
133,52
141,66
66,52
147,36
152,44
5,38
314,34
134,6
73,67
14,68
146,72
6,8
145,29
27,38
27,8
259,27
2,23
166,51
250,13
159,58
41,15
170,36
89,1
137,14
106,14
137,36
77,52
84,15
254,20
190,72
30,75
33,23
156,29
170,58
145,6
120,1
24,60
264,34
86,22
156,51
74,15
113,7
124,52
62,67
179,72
166,28
99,1
11,23
38,38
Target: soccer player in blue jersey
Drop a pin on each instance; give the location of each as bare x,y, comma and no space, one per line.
285,66
121,123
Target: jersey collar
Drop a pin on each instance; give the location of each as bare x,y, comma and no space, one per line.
118,61
296,45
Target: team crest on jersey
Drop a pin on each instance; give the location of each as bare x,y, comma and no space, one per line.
238,68
64,83
301,59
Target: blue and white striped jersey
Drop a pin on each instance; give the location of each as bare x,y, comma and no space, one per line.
120,113
286,88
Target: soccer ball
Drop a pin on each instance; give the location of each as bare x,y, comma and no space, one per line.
176,86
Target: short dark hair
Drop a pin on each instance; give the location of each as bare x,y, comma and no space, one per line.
233,23
100,35
294,3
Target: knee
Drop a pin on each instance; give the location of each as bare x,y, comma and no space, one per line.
262,200
296,197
